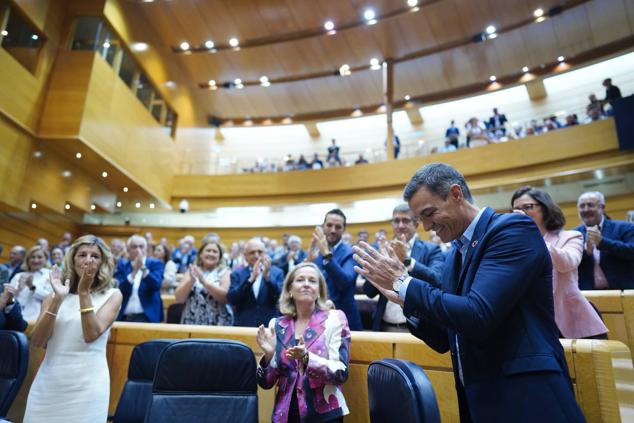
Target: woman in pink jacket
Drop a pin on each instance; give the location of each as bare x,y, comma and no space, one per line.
306,351
574,315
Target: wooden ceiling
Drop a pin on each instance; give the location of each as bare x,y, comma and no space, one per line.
585,26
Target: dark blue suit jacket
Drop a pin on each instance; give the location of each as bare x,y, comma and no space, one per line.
13,320
300,256
428,267
149,289
341,278
249,311
498,307
616,256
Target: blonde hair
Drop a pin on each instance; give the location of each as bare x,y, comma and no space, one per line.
104,278
33,250
287,305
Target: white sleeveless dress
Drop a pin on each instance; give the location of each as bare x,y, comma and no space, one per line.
72,383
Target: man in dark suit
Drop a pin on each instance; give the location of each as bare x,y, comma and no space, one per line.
497,121
140,278
294,256
334,259
255,289
608,258
16,257
422,259
494,310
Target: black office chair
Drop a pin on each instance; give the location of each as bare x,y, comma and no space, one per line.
14,363
137,392
204,380
399,391
174,312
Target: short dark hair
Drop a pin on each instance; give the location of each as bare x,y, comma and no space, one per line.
338,212
438,179
554,218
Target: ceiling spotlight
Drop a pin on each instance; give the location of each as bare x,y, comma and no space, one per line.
4,32
184,45
561,59
125,189
33,205
492,36
212,83
152,205
375,64
264,81
412,3
139,47
490,29
538,13
525,69
329,25
106,45
78,156
119,204
209,44
493,78
67,206
344,70
67,173
170,84
407,98
93,207
233,42
37,154
35,37
369,14
137,205
104,174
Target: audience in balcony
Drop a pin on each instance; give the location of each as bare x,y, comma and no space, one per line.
163,253
608,259
316,163
31,284
360,160
255,289
497,121
452,134
574,316
333,154
306,351
612,92
204,288
334,260
476,133
140,278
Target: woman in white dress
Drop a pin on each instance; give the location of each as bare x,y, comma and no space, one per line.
32,285
73,383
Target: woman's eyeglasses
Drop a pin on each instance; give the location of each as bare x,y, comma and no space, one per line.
526,207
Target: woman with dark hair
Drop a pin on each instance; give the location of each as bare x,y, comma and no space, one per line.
306,351
204,289
73,382
574,314
164,253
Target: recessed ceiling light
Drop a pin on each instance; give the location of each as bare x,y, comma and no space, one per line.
237,81
412,3
212,83
407,98
233,42
375,63
492,78
37,154
184,45
78,156
525,69
139,47
209,44
492,36
119,204
329,25
67,173
538,12
33,205
67,206
4,33
106,45
264,81
104,174
490,29
35,37
125,189
369,14
152,205
93,207
344,70
137,205
561,59
170,84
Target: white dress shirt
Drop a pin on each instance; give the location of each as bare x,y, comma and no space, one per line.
31,299
134,303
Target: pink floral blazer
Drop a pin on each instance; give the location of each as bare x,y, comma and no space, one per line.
318,386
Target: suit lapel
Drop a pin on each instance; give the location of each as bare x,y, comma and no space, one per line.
453,268
479,232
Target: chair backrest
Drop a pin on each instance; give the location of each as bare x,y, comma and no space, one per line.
137,392
14,362
205,380
399,391
174,312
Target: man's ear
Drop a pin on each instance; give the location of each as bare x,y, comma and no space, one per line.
455,193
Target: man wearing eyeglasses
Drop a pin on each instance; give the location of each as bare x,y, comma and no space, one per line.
608,259
423,260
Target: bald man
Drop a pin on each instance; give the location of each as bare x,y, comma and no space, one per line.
255,289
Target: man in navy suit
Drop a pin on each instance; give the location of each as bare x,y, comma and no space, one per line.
140,280
255,289
294,256
334,259
608,259
494,310
422,259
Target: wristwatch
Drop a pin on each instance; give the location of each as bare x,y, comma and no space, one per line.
398,284
328,256
407,262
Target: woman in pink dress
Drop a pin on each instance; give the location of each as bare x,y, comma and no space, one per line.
574,315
